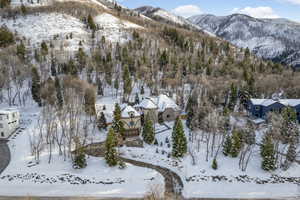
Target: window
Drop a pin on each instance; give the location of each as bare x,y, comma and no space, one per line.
131,115
131,123
2,134
1,125
1,118
168,116
256,107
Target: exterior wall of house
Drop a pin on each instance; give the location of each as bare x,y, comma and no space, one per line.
276,107
170,115
255,110
9,122
297,108
132,126
262,111
153,114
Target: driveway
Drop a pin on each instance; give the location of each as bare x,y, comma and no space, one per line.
4,155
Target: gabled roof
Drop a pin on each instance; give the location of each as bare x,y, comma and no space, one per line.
128,110
162,102
268,102
165,102
147,104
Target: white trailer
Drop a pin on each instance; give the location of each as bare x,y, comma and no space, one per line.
9,122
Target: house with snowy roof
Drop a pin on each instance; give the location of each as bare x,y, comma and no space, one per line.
260,108
131,119
9,122
160,108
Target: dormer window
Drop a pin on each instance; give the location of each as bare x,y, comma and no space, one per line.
257,108
131,115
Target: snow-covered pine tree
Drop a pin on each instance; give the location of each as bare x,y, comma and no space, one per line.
79,160
214,164
179,147
148,130
268,154
102,124
36,86
111,155
137,99
89,101
290,156
59,97
236,144
227,146
99,87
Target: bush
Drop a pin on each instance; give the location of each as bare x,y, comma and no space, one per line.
79,161
6,37
214,164
122,165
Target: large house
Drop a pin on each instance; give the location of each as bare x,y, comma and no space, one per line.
9,122
260,108
131,120
161,108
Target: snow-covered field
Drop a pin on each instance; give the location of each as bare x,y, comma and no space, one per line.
201,180
23,177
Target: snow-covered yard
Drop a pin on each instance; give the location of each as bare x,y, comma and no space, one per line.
23,177
228,181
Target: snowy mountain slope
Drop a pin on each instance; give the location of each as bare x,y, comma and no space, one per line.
274,39
162,15
45,27
113,28
66,32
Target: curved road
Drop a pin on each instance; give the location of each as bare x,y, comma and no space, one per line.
173,182
4,155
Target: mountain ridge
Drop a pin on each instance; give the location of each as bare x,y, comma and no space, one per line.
273,39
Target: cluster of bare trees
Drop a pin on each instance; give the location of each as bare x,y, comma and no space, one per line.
61,130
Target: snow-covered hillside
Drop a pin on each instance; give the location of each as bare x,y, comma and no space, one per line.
114,28
66,32
52,26
165,16
275,39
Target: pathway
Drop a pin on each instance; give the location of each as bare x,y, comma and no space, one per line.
173,182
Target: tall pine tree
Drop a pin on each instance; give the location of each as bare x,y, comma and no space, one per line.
148,130
36,86
111,154
179,141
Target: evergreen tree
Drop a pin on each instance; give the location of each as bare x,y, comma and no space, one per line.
44,48
268,154
21,50
59,96
4,3
79,160
289,128
236,144
118,125
100,87
137,99
36,86
227,146
102,124
214,164
290,156
91,23
233,96
111,155
89,101
127,83
142,90
6,37
53,66
148,130
179,143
